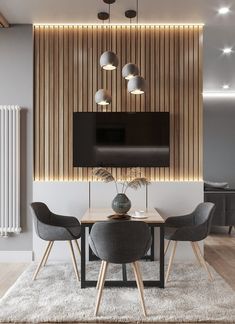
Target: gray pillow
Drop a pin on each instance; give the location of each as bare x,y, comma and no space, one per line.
217,185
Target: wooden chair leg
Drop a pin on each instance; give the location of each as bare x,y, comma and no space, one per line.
101,287
171,261
74,260
140,287
48,253
167,246
78,247
42,259
140,274
196,254
203,260
100,275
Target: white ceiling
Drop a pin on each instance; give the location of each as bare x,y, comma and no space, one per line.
219,30
85,11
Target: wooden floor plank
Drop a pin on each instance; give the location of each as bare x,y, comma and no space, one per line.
220,253
9,273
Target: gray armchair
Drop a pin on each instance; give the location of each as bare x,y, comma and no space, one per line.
120,242
51,227
193,227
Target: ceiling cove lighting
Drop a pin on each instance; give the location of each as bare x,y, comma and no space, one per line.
118,25
223,10
227,50
219,94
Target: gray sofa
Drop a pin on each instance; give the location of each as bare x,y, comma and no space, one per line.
224,200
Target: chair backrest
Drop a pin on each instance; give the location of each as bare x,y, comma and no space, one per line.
120,241
203,214
41,214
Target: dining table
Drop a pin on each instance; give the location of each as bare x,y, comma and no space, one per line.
151,217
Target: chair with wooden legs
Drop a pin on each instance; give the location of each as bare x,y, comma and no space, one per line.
120,242
51,227
193,228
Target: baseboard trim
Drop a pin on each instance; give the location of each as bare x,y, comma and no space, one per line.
16,256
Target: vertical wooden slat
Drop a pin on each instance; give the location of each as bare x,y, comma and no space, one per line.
181,103
46,105
66,103
37,104
56,103
186,104
42,106
61,103
67,75
71,65
200,104
176,107
75,84
171,102
196,102
191,103
51,105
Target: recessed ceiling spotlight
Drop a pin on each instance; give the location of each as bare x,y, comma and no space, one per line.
227,50
226,86
223,10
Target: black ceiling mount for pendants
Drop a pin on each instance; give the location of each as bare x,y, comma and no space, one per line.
103,15
130,14
109,1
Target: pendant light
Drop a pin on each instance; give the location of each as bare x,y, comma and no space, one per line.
109,60
130,69
137,84
103,97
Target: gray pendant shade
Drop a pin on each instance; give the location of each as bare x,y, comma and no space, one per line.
108,60
129,71
136,85
102,97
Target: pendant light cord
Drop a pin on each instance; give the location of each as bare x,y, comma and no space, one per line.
109,43
137,32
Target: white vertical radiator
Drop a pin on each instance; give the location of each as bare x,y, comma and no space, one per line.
9,170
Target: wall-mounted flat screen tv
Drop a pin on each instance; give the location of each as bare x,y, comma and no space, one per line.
121,139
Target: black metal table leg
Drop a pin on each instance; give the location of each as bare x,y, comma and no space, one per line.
124,276
83,256
162,277
152,245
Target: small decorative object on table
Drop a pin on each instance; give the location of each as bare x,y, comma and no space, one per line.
121,203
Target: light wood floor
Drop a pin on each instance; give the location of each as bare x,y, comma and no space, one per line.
219,252
9,272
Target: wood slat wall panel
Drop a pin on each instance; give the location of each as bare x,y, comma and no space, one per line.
67,75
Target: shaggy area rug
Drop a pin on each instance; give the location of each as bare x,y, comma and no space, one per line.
56,297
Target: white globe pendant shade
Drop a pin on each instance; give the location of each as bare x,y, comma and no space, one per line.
136,85
108,60
102,97
129,71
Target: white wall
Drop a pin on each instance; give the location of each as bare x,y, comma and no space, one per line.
72,198
16,88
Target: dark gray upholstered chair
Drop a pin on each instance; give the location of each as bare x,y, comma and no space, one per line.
120,242
193,227
51,227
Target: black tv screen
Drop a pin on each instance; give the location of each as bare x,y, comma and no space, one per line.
110,139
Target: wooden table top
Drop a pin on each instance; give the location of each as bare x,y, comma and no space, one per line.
93,215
